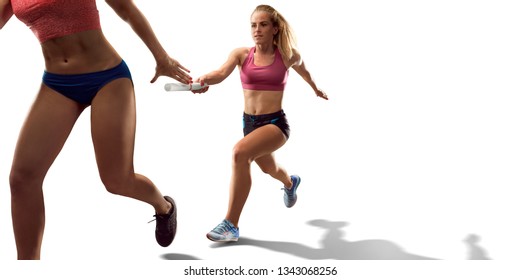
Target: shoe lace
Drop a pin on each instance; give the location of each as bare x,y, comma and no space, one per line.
288,192
221,228
155,217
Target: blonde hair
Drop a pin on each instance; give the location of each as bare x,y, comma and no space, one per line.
284,39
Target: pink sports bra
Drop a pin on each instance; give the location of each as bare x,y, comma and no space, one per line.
272,77
56,18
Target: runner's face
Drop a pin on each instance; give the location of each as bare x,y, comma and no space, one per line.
262,29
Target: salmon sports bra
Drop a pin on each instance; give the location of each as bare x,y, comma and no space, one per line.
50,19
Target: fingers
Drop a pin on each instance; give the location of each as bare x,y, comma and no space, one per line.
183,68
185,79
180,73
154,78
176,74
202,90
172,68
322,94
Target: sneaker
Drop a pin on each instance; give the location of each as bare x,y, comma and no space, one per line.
224,232
166,225
290,197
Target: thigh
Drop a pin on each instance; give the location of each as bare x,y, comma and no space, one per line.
113,121
263,141
44,132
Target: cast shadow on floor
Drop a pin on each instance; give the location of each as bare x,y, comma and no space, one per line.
475,251
333,246
174,256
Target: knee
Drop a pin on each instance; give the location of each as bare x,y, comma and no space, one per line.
115,184
241,155
23,180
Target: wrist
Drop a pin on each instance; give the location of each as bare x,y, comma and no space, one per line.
161,56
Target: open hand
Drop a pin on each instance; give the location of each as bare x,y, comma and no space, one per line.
172,68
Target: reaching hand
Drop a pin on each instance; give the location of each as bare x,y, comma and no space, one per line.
172,68
320,93
202,90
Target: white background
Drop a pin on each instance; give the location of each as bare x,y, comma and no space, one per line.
417,148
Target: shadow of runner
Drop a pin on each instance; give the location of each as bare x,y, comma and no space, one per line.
290,248
333,246
475,251
172,256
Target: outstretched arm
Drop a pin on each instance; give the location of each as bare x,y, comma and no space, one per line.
299,67
219,75
6,12
166,66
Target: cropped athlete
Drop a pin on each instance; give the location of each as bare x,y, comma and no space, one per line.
82,69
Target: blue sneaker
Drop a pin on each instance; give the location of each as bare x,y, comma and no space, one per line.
224,232
290,197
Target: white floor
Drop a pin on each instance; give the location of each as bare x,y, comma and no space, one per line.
415,155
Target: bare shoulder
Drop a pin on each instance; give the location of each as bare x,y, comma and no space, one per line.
240,54
295,59
241,51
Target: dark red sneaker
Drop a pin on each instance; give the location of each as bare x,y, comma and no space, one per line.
166,225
